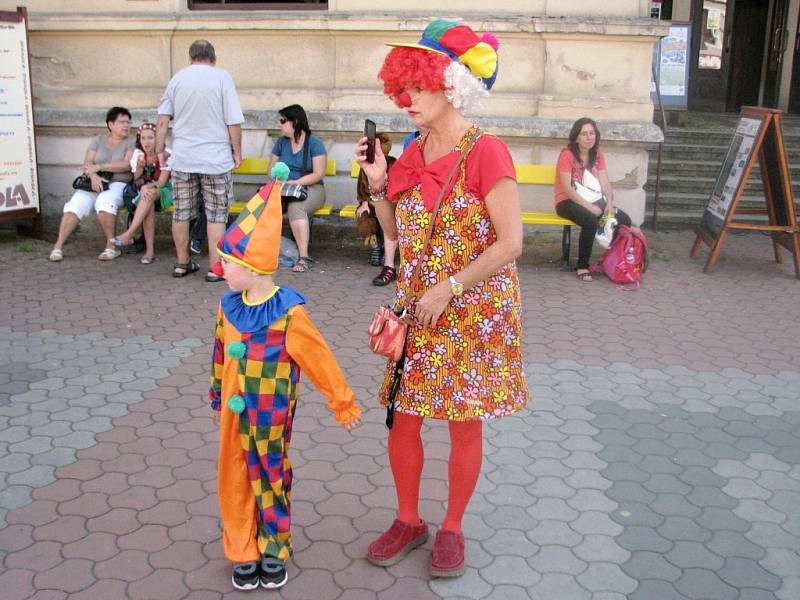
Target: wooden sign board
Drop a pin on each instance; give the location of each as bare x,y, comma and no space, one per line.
19,181
758,134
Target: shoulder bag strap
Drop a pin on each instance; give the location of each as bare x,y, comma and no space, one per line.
445,188
306,144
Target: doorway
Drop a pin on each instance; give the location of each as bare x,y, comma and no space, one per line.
737,54
794,93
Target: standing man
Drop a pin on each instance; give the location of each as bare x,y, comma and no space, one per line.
207,145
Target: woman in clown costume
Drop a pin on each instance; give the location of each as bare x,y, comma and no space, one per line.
463,357
262,341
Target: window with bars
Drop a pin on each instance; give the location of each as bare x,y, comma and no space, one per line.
258,4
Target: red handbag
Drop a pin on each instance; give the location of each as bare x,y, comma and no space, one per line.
387,333
388,328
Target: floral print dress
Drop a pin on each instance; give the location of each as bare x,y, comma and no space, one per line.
470,365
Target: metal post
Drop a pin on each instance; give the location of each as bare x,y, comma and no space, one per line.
654,223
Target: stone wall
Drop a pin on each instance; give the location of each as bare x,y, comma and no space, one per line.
556,65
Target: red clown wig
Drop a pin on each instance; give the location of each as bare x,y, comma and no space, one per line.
409,68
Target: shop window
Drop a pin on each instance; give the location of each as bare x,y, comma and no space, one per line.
258,5
713,34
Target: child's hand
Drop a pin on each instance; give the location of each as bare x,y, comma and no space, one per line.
215,416
352,424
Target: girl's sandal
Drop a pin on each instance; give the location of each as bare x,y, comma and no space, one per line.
584,275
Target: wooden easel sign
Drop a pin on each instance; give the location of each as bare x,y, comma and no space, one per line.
758,134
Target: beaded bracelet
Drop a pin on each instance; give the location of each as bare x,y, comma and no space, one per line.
380,195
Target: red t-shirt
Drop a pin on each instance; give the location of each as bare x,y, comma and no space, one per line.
487,163
567,163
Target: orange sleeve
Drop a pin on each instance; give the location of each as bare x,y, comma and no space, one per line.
308,349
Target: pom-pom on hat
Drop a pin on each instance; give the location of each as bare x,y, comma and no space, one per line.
461,43
254,239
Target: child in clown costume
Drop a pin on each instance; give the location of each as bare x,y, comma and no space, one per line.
263,340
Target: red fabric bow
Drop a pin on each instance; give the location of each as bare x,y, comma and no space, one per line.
410,169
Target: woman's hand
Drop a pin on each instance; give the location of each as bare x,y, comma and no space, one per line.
376,171
432,304
97,183
215,416
140,162
362,208
148,192
596,210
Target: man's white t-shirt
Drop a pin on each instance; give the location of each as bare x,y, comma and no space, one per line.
202,101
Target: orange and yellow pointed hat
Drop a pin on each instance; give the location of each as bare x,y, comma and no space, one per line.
254,239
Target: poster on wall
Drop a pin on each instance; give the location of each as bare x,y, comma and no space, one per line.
19,183
671,67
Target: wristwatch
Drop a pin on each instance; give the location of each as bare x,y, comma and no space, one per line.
456,287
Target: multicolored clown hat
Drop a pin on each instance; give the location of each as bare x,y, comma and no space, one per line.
459,42
254,239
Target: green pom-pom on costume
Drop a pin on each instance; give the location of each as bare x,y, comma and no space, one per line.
280,171
236,350
236,404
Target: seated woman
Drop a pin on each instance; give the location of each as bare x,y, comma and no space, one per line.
107,160
581,153
305,155
152,192
382,249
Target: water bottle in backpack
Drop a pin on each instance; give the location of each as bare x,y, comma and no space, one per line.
630,258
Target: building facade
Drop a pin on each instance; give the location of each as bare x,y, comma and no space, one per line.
559,60
743,52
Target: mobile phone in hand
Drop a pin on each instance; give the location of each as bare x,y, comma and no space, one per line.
369,132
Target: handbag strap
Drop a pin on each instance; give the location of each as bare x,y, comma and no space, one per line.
445,188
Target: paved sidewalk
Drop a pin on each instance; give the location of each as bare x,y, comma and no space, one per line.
661,459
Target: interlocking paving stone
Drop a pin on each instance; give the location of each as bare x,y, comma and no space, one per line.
638,475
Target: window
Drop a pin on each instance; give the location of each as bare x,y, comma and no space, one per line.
258,5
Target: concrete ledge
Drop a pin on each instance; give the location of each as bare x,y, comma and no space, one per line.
349,122
322,21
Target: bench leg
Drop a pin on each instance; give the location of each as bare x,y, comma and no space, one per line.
566,242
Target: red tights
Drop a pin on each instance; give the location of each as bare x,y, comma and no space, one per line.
406,457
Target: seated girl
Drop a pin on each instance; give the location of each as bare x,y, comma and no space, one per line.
583,153
151,192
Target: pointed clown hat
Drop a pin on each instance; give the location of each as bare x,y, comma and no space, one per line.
254,239
461,43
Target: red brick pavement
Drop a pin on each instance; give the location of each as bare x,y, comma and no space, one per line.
136,515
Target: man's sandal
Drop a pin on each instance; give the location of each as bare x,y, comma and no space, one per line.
584,275
56,255
184,269
302,264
